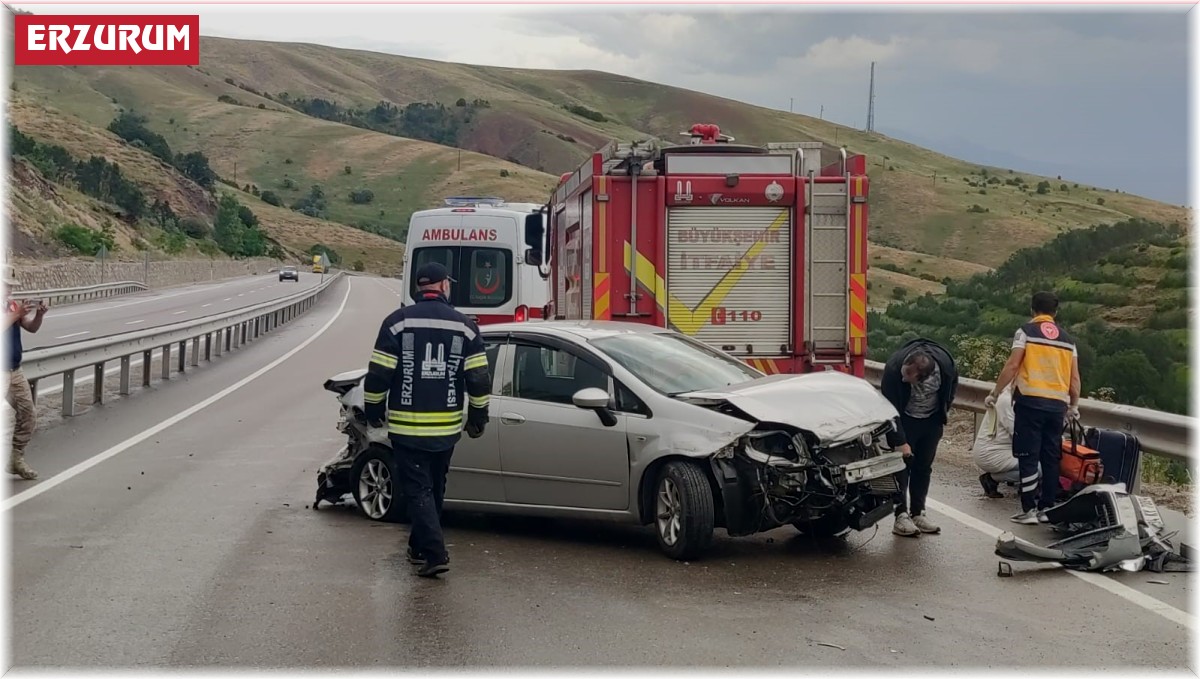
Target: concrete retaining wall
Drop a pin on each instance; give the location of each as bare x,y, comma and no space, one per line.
74,273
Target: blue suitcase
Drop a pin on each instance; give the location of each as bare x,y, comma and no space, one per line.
1120,455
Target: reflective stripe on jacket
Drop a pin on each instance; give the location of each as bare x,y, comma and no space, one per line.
1044,378
429,366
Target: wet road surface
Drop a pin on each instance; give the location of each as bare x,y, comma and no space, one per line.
196,546
138,311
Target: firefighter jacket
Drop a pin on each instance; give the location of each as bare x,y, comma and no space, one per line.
427,358
1044,378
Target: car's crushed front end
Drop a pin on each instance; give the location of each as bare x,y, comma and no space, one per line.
816,455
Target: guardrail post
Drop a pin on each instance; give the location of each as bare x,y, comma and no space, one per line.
98,384
182,355
196,351
33,389
166,362
125,363
147,358
68,394
208,346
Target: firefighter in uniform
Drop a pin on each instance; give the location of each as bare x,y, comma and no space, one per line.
1045,365
426,356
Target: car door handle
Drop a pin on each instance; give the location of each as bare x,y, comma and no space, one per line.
511,418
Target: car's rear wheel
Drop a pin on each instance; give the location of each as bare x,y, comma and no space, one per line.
376,487
684,516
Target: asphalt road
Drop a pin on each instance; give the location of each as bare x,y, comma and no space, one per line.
191,543
78,322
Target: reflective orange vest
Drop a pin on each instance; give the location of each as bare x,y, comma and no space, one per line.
1046,368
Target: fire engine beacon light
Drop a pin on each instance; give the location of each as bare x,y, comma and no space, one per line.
706,133
565,176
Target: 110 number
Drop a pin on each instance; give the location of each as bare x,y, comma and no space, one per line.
722,315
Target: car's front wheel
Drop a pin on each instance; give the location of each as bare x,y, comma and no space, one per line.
376,486
684,516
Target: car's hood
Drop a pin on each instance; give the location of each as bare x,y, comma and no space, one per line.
832,405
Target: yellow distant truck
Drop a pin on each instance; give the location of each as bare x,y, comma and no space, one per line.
317,266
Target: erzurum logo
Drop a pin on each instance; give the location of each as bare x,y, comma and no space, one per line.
107,40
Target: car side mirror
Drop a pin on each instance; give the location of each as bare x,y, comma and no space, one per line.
595,399
533,257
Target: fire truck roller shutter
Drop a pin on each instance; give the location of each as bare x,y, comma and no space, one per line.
729,272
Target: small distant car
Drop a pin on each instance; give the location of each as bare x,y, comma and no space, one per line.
289,273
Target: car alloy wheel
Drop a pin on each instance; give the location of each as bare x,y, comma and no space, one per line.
375,488
668,512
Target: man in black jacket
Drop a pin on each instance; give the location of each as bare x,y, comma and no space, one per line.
920,380
426,356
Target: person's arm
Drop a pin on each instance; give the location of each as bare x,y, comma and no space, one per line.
478,378
15,314
34,324
891,387
1076,386
1004,412
380,370
1009,371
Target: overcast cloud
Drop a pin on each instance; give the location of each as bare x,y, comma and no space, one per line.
1097,97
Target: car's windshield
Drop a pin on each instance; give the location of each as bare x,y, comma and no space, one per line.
674,364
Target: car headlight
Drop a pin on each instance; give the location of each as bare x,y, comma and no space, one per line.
766,447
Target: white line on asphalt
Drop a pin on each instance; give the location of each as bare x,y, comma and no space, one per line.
184,311
153,298
72,472
205,306
74,334
241,294
226,299
1102,581
141,320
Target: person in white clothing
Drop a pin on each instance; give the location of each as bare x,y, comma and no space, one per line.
992,450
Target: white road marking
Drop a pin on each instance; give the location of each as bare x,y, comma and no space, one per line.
241,294
76,470
205,306
226,299
153,298
1102,581
74,334
184,311
141,320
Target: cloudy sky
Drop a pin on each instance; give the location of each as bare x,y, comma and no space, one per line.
1097,97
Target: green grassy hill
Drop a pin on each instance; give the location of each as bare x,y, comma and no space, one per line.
231,107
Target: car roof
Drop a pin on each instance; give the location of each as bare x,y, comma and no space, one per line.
584,329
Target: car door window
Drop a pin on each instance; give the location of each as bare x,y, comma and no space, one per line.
552,375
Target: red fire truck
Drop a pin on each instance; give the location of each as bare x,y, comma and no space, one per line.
759,251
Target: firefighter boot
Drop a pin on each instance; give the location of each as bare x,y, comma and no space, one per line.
17,465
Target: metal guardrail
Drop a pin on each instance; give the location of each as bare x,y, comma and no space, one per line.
86,293
220,333
1160,433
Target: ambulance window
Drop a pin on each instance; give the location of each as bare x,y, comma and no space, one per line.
484,275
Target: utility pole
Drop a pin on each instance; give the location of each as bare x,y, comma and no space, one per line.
871,102
235,183
791,104
459,161
822,111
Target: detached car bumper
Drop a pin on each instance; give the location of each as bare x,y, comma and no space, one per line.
874,468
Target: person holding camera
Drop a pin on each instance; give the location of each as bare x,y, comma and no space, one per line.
20,396
427,358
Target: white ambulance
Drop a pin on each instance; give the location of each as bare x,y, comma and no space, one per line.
492,248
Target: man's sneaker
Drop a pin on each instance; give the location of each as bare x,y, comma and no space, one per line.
1041,516
414,558
1028,518
924,525
431,570
905,527
990,487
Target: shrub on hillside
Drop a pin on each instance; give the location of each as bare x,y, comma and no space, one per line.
362,196
83,240
270,198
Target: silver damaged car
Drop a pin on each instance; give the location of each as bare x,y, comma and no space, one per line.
639,424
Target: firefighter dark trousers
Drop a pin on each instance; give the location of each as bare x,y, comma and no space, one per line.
923,436
1037,445
423,482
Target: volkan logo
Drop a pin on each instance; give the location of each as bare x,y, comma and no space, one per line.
107,40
